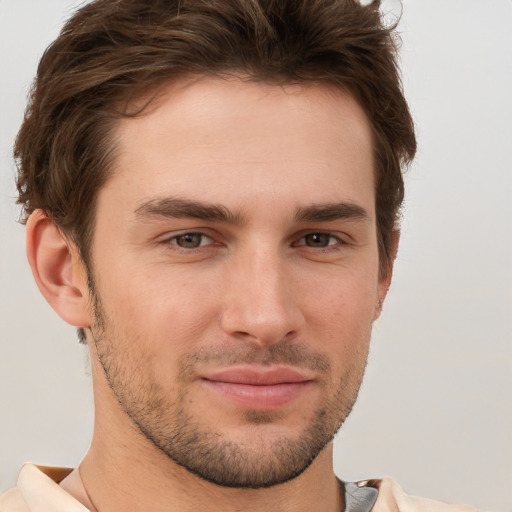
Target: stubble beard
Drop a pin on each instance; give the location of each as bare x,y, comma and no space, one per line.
257,462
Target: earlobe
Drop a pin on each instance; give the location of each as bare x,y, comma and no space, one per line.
385,278
57,269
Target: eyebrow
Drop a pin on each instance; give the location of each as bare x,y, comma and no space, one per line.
185,208
332,212
169,207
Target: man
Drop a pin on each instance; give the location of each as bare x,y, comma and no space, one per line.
211,191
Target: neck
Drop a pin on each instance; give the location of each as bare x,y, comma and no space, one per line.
143,484
123,460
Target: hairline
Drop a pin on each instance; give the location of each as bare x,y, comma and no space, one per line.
149,98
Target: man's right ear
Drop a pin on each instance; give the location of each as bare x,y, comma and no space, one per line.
58,270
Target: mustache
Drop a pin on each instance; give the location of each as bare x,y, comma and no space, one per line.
282,353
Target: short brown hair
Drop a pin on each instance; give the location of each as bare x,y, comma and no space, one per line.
111,51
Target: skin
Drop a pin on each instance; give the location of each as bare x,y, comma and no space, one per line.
281,281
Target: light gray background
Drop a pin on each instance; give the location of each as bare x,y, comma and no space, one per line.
435,410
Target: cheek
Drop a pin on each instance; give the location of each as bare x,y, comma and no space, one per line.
339,317
342,299
168,311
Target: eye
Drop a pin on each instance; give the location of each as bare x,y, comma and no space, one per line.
190,240
319,240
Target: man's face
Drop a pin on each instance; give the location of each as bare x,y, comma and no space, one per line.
235,270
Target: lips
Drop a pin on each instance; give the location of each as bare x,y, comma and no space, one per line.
255,388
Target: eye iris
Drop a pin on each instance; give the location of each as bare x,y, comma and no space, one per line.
189,240
318,240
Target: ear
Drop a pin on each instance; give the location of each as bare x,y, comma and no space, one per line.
385,278
58,270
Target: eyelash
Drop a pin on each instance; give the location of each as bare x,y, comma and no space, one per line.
174,238
330,246
301,242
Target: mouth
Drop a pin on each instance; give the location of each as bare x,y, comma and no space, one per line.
258,388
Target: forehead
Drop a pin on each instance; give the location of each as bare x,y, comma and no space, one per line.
229,139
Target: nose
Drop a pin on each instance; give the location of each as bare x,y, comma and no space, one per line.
261,300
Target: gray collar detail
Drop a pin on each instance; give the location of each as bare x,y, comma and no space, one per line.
359,499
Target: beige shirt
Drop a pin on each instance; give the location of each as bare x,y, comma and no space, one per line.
38,490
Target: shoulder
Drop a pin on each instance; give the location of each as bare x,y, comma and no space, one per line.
12,501
37,489
392,498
